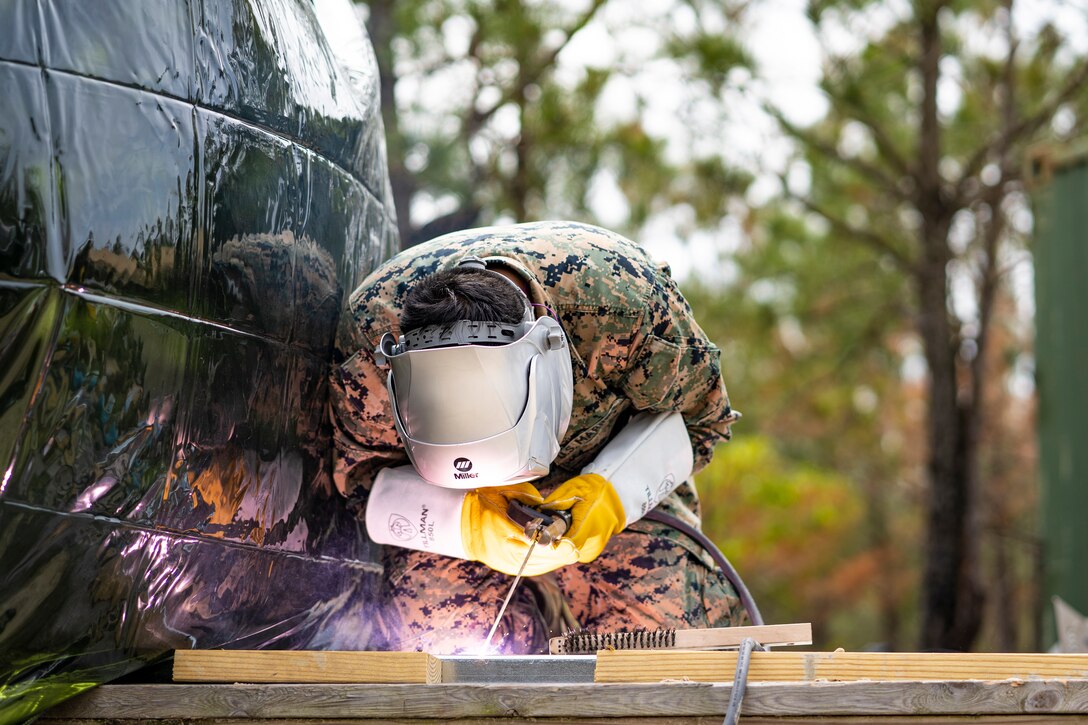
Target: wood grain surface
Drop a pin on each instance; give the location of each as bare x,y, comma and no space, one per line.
1019,700
712,666
267,666
683,720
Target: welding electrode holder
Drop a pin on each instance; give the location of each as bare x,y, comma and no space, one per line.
551,525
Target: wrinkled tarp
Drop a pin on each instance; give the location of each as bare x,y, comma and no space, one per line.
187,191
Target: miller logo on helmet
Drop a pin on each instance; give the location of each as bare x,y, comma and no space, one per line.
463,466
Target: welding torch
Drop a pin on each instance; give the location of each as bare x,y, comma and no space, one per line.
546,527
541,527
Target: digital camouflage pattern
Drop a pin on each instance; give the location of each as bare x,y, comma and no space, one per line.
635,346
646,578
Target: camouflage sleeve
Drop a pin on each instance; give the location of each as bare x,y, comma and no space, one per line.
364,438
674,367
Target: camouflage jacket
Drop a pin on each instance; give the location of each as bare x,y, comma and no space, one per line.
634,346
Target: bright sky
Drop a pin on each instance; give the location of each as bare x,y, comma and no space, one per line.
788,54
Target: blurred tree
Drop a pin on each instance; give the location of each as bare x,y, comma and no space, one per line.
919,161
510,110
486,122
792,530
811,336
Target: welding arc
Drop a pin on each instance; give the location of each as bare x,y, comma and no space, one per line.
590,642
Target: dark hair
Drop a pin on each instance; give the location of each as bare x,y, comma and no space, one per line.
461,294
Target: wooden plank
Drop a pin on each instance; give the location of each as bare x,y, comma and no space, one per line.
660,665
672,720
865,699
269,666
768,634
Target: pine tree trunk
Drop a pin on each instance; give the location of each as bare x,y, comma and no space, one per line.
951,600
951,596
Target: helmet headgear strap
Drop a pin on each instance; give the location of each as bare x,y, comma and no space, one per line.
473,262
462,332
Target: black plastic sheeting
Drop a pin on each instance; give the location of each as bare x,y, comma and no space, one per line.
187,192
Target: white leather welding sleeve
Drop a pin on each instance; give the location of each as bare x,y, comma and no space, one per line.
646,461
404,510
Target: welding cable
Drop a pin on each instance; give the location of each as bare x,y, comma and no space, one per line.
740,679
718,557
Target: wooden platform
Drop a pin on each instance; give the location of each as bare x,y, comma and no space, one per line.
663,686
1005,703
653,666
623,666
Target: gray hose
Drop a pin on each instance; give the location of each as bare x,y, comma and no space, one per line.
716,554
740,679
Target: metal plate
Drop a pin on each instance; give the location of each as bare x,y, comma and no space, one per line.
534,669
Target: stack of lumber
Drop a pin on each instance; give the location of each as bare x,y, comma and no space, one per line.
715,666
661,686
267,666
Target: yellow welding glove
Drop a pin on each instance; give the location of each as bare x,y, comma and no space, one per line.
492,538
596,513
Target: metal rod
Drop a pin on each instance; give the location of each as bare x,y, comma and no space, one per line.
510,594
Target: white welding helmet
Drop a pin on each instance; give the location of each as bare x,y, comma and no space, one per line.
480,403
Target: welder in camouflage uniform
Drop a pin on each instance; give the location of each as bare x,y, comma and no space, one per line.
634,346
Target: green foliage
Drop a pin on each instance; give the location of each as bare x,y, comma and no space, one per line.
711,55
786,521
807,323
810,335
914,173
522,130
821,496
795,533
